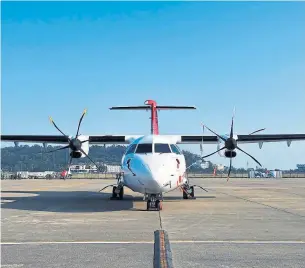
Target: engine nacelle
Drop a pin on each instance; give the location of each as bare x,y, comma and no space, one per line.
76,154
85,147
230,154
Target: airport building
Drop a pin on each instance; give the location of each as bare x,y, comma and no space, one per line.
83,169
93,169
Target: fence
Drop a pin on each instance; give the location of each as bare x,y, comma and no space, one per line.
240,175
189,175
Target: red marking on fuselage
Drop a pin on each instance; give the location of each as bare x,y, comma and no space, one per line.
154,116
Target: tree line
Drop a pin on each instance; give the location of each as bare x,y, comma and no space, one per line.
34,158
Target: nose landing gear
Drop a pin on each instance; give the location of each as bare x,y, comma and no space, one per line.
154,202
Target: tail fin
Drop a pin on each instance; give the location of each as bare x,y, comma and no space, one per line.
152,105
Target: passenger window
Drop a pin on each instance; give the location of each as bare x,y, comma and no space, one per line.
162,148
131,149
144,148
175,149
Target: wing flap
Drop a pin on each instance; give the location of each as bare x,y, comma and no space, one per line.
35,138
269,138
195,139
59,139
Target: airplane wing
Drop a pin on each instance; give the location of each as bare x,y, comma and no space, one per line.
195,139
261,138
60,139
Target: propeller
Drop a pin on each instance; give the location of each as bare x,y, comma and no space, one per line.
74,143
230,144
259,130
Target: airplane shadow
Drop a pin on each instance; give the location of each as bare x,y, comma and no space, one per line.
75,201
185,200
64,201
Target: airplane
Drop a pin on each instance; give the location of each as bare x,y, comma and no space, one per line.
153,164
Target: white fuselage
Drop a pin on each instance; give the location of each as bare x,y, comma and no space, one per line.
153,164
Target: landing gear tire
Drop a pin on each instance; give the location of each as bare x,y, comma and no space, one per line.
188,192
116,195
114,192
148,205
121,194
156,205
192,192
159,205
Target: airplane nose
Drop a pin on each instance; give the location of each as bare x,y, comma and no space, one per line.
147,174
160,174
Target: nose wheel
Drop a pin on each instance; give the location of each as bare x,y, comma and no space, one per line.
153,203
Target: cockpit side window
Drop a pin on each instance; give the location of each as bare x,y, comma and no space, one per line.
144,148
162,148
175,149
131,149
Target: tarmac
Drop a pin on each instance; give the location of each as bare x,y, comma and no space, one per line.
69,223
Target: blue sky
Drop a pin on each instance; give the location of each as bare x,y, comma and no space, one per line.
61,57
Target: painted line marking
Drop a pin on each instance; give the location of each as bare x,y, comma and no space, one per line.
152,242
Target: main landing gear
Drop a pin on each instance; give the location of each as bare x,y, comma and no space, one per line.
117,192
188,191
118,189
154,202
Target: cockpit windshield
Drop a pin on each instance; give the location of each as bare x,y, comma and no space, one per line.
162,148
175,149
144,148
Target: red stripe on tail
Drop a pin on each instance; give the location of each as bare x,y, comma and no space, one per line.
154,116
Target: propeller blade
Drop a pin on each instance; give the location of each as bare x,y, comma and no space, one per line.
62,148
249,155
80,120
201,144
231,133
229,169
84,141
51,120
215,133
213,153
89,158
257,131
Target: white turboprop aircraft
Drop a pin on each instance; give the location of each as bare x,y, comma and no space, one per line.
153,164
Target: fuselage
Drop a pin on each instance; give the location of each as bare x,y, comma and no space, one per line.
153,164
